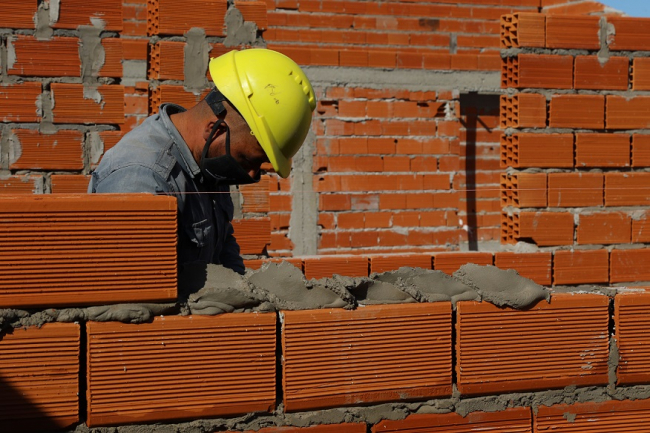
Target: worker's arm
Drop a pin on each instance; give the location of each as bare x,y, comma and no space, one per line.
130,178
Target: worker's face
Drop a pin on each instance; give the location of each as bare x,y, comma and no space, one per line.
244,147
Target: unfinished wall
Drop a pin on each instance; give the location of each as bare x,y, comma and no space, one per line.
576,127
407,103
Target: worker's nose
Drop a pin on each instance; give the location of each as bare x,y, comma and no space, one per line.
253,172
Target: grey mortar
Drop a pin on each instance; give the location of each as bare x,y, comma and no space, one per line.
92,56
413,80
15,148
133,71
5,147
238,31
612,362
196,58
303,223
43,20
237,201
44,106
94,147
11,54
603,34
503,288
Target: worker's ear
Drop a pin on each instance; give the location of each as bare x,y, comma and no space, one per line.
207,129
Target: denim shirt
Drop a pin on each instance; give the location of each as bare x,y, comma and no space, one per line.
154,158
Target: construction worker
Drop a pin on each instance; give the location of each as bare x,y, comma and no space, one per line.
260,111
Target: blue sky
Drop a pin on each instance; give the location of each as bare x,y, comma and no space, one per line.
634,8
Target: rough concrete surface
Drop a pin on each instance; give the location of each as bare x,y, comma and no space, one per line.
503,288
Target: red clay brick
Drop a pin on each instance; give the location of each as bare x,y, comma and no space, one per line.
573,32
629,265
40,392
544,71
257,263
641,73
18,14
327,266
604,228
451,262
580,267
528,189
627,189
253,234
69,183
627,113
544,228
524,110
21,184
70,105
641,229
514,419
75,13
523,29
505,350
372,340
175,94
575,189
608,416
640,150
541,150
135,49
391,262
60,151
167,61
577,111
254,11
631,34
632,330
169,17
602,150
18,102
590,73
152,371
137,262
536,266
255,197
56,57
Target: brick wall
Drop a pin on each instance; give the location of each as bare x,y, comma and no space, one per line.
281,366
78,77
575,130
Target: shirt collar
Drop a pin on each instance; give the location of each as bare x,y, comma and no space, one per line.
167,110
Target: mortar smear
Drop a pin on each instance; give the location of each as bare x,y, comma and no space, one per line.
286,287
213,289
425,285
503,288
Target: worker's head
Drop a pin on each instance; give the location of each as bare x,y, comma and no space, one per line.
269,101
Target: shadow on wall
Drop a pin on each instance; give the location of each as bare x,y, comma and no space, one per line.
23,413
473,106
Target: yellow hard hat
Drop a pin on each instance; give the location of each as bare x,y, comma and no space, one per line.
273,95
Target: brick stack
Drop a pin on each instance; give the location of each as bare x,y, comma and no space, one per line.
576,133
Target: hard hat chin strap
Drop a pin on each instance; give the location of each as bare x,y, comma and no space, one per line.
224,169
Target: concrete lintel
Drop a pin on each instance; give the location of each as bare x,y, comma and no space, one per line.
411,79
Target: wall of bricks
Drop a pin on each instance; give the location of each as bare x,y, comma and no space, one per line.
575,130
458,363
394,167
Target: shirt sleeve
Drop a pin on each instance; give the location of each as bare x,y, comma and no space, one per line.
132,178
